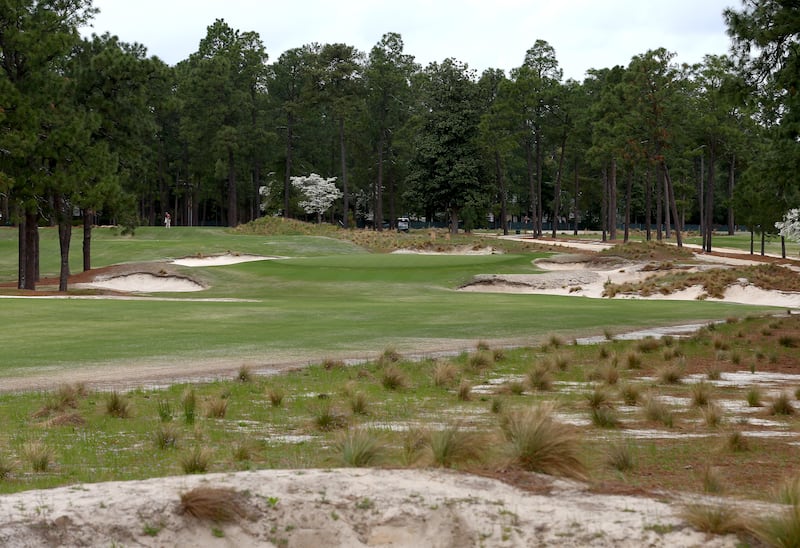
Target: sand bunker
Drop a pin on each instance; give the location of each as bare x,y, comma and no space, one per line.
220,260
144,283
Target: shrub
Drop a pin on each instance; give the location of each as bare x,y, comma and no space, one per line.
213,504
360,447
394,378
195,461
538,443
117,405
453,445
165,436
444,373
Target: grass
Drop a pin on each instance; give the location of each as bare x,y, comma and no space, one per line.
360,447
538,443
715,519
453,445
118,406
195,461
254,333
621,457
781,530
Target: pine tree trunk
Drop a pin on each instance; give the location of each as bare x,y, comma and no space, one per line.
287,176
378,217
628,193
604,206
31,250
648,204
709,198
672,205
612,200
233,198
87,239
343,158
731,181
501,184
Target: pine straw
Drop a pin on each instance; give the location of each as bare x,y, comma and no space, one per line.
218,504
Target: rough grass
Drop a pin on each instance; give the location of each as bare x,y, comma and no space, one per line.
538,443
360,447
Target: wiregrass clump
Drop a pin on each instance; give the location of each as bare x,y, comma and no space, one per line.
276,395
464,391
715,519
360,447
39,455
782,405
166,436
394,378
444,373
658,411
537,442
196,460
117,405
539,377
453,445
621,457
189,405
215,504
216,408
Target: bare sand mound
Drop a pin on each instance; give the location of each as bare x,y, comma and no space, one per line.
345,507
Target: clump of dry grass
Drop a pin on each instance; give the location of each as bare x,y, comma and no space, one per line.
701,394
717,519
648,344
166,436
245,374
538,443
464,391
712,414
631,393
539,377
754,397
360,447
117,405
332,363
658,411
444,373
711,479
359,403
621,457
327,418
6,467
737,442
633,360
671,374
788,492
216,408
782,405
481,360
38,454
389,356
217,504
276,394
196,460
453,445
73,419
393,378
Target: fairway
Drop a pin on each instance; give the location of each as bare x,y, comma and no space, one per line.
326,298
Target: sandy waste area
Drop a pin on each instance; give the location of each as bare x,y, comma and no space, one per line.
369,507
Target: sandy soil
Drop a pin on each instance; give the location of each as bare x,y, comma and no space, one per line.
346,507
355,507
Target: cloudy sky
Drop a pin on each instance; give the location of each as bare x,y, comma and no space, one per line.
482,33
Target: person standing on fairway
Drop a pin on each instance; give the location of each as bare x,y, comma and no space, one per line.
167,220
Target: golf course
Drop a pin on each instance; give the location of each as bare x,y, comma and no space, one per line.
283,384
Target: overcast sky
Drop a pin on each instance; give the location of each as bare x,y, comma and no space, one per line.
482,33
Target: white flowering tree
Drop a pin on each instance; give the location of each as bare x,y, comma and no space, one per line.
790,226
319,193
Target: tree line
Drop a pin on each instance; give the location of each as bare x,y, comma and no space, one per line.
95,128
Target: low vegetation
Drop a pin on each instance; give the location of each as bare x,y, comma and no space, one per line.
445,412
